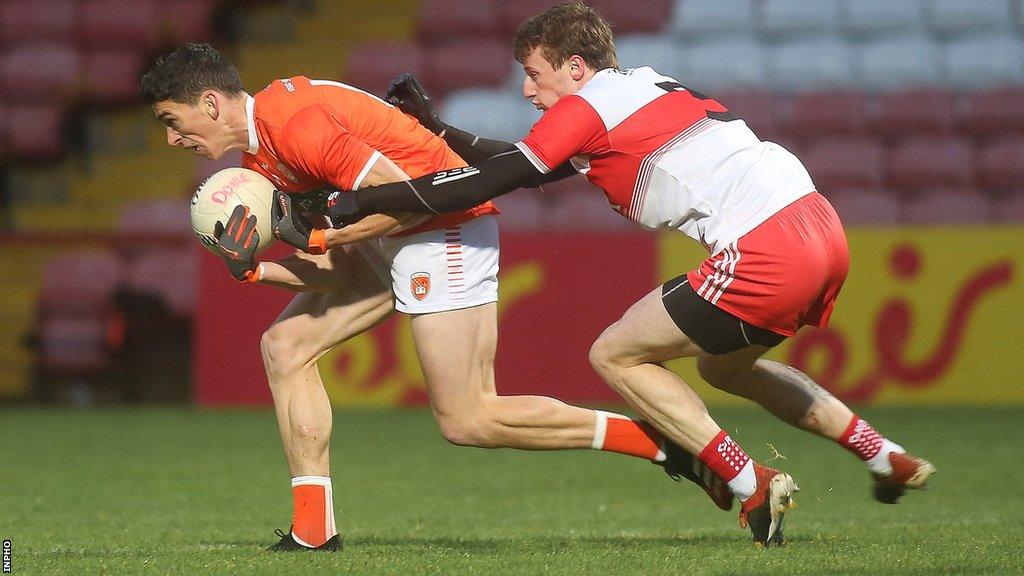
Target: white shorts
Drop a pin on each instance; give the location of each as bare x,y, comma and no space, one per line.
439,270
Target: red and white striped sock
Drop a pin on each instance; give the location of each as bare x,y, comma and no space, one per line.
870,446
312,510
730,463
617,433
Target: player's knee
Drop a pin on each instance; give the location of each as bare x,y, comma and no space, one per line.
279,351
603,356
466,431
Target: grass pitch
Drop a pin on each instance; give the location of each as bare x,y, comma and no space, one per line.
165,491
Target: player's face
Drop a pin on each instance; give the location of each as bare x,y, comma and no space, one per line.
193,127
544,84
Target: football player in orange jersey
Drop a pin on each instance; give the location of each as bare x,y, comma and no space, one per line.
309,134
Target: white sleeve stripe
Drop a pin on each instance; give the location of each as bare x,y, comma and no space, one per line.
533,158
366,169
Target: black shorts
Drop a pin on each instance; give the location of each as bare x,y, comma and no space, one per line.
713,329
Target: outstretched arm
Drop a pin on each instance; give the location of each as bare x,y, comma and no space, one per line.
446,191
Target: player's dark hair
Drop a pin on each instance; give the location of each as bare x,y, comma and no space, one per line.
564,30
183,75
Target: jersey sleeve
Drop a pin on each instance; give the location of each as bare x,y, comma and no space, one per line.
316,141
568,128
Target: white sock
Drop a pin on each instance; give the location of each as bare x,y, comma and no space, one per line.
745,483
879,463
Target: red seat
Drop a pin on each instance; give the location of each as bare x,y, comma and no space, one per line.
948,206
440,20
148,273
181,21
1000,163
1009,208
523,209
512,14
40,72
156,216
756,107
36,20
845,162
111,77
73,345
575,204
648,17
993,111
913,112
118,23
823,113
373,65
931,161
866,206
467,63
80,284
35,132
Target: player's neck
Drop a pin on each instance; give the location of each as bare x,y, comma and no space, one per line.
237,121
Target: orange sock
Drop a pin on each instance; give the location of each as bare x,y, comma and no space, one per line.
617,433
312,510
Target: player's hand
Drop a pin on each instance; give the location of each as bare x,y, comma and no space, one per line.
291,226
311,202
237,242
406,93
343,209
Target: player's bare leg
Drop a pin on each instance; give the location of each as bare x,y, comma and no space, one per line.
628,356
456,351
795,399
312,324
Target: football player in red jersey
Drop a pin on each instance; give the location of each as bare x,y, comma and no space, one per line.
305,135
671,158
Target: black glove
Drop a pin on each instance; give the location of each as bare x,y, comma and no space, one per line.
406,93
290,225
343,209
237,243
311,202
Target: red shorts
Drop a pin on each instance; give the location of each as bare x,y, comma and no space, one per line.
785,273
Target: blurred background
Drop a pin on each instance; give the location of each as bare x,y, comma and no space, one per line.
909,115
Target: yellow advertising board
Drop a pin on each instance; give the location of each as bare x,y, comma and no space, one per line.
928,316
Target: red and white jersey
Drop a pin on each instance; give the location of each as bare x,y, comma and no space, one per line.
668,157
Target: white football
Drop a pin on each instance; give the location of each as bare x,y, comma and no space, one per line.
217,197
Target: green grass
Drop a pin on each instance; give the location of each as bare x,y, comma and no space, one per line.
163,491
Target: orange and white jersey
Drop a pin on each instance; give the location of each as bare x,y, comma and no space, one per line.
306,134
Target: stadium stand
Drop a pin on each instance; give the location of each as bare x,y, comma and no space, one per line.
904,111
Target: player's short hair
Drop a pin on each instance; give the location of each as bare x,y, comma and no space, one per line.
564,30
183,75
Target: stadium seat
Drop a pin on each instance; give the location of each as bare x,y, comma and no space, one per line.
820,113
156,217
512,14
645,17
467,63
578,205
1000,163
659,52
931,161
948,206
35,132
994,111
149,271
867,18
490,113
73,345
866,206
80,284
118,23
694,18
756,107
956,17
36,20
373,65
523,209
890,63
984,61
111,77
812,63
40,72
922,110
4,130
722,64
441,20
181,21
1008,208
791,18
845,162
